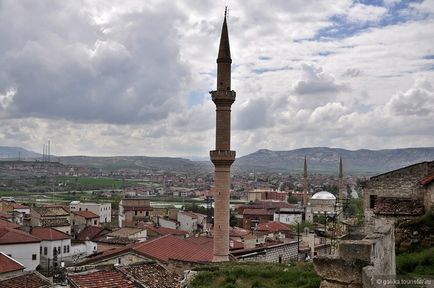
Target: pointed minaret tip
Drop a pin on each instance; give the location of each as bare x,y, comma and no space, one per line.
224,48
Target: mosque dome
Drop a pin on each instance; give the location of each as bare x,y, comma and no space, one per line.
323,195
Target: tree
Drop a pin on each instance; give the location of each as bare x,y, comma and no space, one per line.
292,199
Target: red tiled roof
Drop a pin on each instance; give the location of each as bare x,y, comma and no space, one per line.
98,279
15,236
273,226
20,206
7,264
6,216
49,234
28,280
209,242
153,275
427,180
89,233
50,211
4,223
171,247
260,212
166,231
55,222
86,214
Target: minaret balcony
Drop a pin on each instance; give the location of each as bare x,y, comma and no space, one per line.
222,157
223,96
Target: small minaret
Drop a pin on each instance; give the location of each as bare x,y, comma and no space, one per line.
222,157
341,182
306,183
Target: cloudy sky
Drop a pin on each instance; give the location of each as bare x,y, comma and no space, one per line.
106,77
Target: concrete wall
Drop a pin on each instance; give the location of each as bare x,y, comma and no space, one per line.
288,218
187,223
23,254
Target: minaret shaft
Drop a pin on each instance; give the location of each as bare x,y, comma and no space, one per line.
306,183
341,181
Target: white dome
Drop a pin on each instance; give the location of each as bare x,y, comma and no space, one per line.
323,195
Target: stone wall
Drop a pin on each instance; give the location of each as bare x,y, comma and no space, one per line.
358,261
400,183
273,254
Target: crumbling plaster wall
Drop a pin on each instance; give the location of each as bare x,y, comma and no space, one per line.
358,261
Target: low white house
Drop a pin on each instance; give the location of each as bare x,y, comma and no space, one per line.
289,216
56,247
21,246
187,221
103,210
167,223
54,244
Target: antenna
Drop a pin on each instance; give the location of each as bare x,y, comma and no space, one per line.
226,10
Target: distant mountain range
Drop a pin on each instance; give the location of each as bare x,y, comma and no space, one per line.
320,160
15,153
326,160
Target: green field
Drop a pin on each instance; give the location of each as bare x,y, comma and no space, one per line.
93,182
256,275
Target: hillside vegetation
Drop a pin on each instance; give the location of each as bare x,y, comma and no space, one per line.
256,275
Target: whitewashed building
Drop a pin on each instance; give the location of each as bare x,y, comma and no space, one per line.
20,246
103,210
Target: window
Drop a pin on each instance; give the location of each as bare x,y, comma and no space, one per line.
45,250
79,209
372,201
135,212
54,251
67,248
64,249
94,222
40,250
58,250
34,257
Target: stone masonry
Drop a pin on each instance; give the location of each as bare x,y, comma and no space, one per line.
401,184
360,261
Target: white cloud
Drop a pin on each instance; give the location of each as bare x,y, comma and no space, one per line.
7,98
417,101
365,13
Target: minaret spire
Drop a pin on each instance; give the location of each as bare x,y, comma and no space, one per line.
306,184
222,157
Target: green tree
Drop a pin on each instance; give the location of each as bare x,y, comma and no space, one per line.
292,199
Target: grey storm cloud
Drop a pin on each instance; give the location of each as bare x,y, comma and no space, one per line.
61,64
253,115
316,81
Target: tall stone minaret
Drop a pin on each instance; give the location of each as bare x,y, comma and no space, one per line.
341,182
306,184
222,157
